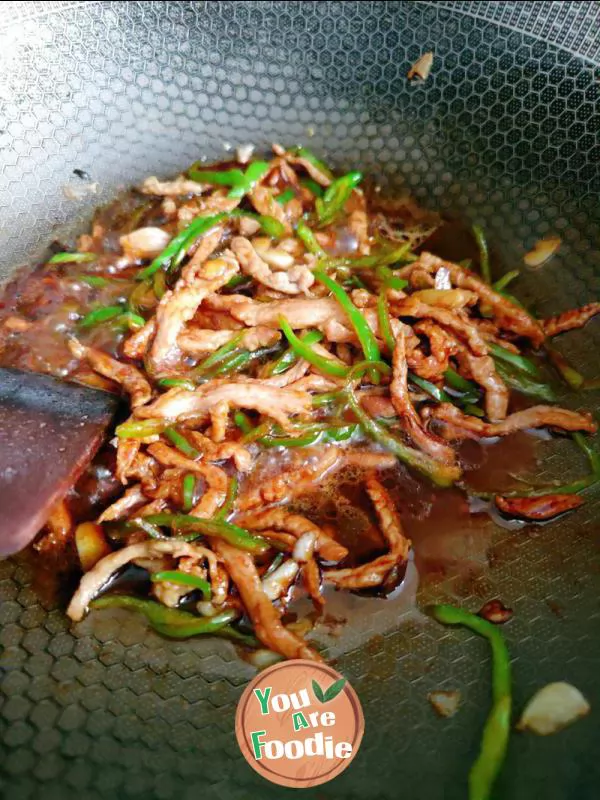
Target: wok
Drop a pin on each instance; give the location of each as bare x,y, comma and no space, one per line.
504,132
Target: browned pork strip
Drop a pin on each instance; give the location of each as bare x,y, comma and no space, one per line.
427,442
374,572
300,313
508,315
265,617
93,581
313,170
464,426
295,280
264,202
280,519
130,378
452,320
170,457
180,186
136,345
134,496
279,404
198,341
179,305
538,508
568,320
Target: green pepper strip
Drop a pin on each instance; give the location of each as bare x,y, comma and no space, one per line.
285,197
496,731
153,531
183,579
240,359
365,335
227,507
518,361
242,182
440,474
431,389
100,315
305,351
354,282
176,383
384,259
133,321
96,281
568,373
388,278
242,421
336,434
219,355
188,488
238,280
179,245
326,398
335,197
456,381
306,154
312,186
521,382
171,622
68,258
503,282
289,358
309,240
140,429
484,256
159,284
223,530
181,443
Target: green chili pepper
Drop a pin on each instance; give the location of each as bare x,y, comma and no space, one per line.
188,489
141,428
238,280
289,358
153,531
96,281
170,622
240,359
218,355
183,579
273,565
474,411
181,443
271,226
100,315
69,258
440,474
484,256
383,318
517,360
241,182
381,259
325,398
389,280
140,298
254,434
285,196
307,155
159,284
312,186
568,373
335,197
242,421
177,248
503,282
227,507
133,321
354,282
522,382
176,383
309,240
305,351
223,530
217,625
365,335
496,731
459,383
335,434
431,389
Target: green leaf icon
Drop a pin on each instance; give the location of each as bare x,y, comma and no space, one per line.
318,691
334,689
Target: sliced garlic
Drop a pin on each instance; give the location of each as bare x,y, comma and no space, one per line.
542,251
279,581
553,708
445,702
421,68
442,279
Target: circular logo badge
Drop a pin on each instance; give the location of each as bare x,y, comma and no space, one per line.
299,723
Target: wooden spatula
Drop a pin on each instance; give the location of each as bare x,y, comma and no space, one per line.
49,432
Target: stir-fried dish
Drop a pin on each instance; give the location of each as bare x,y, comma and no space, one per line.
272,326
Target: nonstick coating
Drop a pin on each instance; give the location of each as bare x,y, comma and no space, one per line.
505,132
